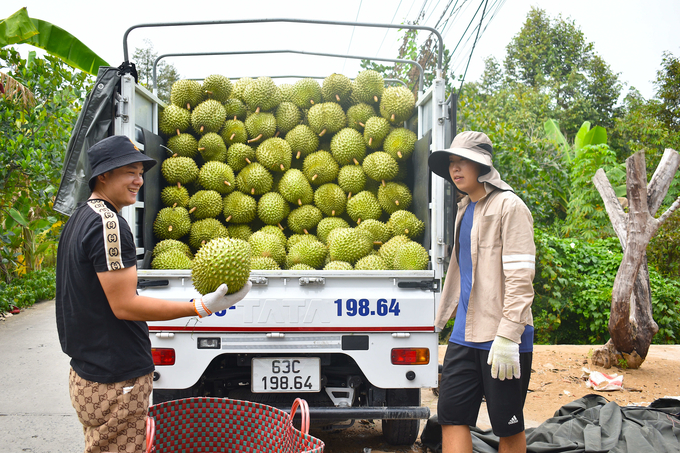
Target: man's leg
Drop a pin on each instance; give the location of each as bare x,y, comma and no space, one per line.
513,444
456,439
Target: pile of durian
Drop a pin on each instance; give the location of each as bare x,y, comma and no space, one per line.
312,175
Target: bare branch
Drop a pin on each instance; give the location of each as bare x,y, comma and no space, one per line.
612,206
669,211
662,178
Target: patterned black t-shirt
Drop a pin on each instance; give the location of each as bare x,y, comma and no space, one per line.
102,347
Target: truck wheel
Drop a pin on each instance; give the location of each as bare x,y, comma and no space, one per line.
401,432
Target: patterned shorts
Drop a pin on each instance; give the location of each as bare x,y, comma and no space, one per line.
113,415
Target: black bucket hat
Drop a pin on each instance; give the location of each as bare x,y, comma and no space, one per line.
115,152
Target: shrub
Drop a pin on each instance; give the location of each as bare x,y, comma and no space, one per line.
27,290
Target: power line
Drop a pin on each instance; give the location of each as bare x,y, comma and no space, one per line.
473,47
388,30
352,36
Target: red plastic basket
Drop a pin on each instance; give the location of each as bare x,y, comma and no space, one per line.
202,425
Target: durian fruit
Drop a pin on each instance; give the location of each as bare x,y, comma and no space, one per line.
212,147
389,248
286,92
303,219
235,109
186,93
363,206
326,118
234,131
306,93
205,230
358,114
174,120
380,166
217,87
171,259
182,170
295,188
254,179
338,266
204,204
330,199
302,140
309,252
261,95
411,256
348,147
368,87
295,238
371,263
239,208
379,231
222,260
184,145
175,196
320,168
239,88
217,176
264,263
276,232
287,117
336,88
328,224
274,154
406,223
301,267
260,126
394,196
208,116
171,244
239,155
400,143
240,231
171,223
272,208
348,244
376,130
397,104
267,245
352,179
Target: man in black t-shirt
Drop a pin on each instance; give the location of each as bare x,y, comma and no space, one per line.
100,316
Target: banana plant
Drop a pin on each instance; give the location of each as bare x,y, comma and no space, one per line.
585,136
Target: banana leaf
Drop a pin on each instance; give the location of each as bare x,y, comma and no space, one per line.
60,43
580,140
552,131
16,28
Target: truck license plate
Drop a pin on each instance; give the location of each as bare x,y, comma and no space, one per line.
286,375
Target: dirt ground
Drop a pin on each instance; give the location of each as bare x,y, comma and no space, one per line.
556,380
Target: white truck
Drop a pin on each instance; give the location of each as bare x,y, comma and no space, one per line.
354,344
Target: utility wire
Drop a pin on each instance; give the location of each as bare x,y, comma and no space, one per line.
388,30
352,36
473,48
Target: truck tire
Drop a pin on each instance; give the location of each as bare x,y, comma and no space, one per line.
401,432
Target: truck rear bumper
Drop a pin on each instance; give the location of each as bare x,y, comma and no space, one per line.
371,413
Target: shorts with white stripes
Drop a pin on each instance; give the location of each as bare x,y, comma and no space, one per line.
466,379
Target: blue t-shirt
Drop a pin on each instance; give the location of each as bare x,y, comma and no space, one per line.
465,266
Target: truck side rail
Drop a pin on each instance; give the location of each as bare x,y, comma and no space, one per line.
440,41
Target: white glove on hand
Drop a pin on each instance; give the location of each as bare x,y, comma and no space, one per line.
504,359
219,300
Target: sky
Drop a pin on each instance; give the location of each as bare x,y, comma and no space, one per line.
629,35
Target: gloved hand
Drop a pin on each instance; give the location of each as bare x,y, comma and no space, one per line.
219,300
504,359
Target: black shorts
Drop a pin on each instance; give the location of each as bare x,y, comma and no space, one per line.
466,379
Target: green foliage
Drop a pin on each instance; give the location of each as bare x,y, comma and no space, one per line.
166,74
27,290
34,140
668,91
586,215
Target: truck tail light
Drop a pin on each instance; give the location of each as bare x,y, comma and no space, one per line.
163,356
410,356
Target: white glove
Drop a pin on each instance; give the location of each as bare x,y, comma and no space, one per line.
504,359
219,300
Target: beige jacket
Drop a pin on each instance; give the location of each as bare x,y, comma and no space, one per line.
503,264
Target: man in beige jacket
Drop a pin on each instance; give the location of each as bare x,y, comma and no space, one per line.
488,289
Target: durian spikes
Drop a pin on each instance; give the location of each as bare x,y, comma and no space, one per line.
192,210
370,141
322,133
392,117
337,97
297,156
228,218
356,162
399,154
282,167
232,136
255,139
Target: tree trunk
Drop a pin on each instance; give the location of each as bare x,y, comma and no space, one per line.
631,324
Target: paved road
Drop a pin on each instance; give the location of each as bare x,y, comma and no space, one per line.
35,410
